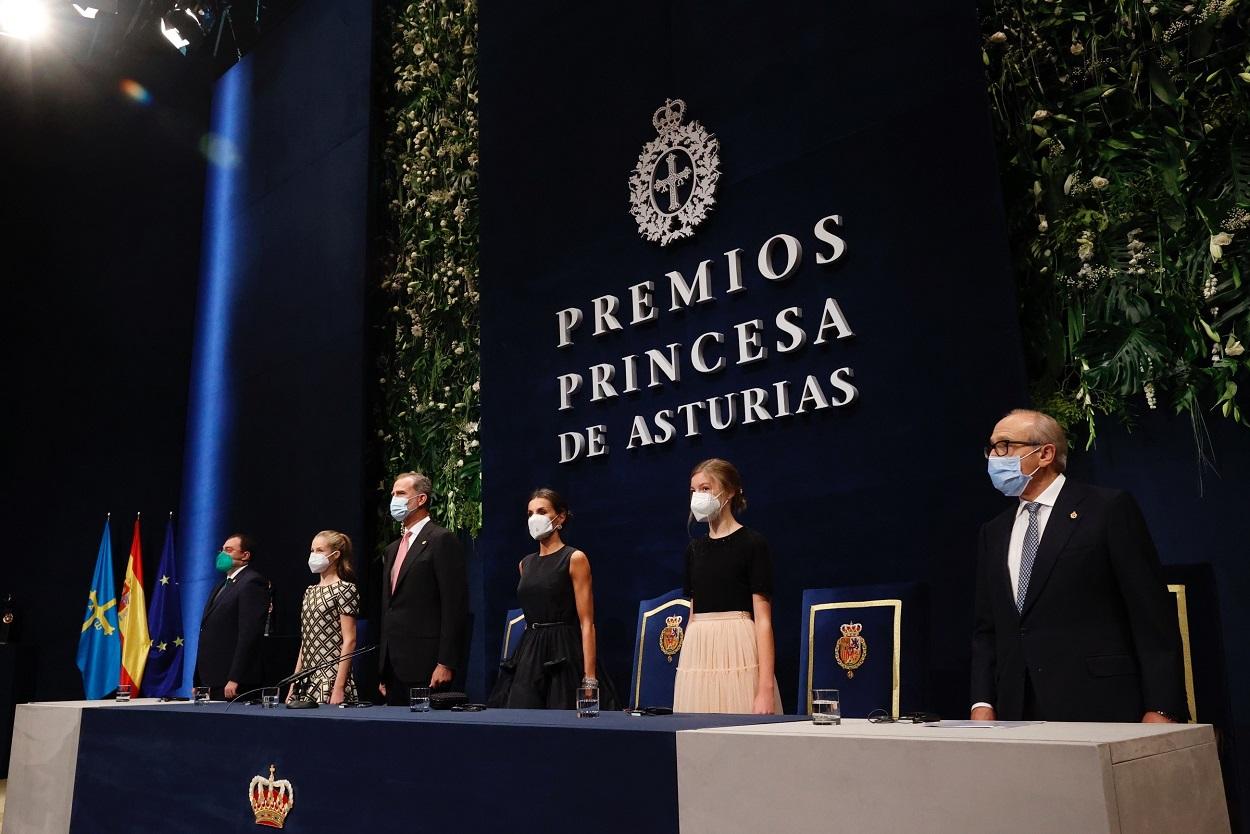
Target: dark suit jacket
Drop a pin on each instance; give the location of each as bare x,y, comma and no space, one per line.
1097,636
230,633
424,621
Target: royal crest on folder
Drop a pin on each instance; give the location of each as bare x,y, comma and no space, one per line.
671,636
272,799
851,649
672,188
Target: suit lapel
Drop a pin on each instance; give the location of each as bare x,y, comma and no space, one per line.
1000,540
215,599
1059,528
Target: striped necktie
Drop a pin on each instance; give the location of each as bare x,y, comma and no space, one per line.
1028,554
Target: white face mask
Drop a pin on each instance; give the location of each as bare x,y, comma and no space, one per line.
540,526
318,562
704,505
399,509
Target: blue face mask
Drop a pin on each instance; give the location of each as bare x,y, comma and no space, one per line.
1006,475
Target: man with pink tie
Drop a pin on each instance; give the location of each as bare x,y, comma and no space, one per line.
425,597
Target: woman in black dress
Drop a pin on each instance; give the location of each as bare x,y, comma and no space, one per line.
557,651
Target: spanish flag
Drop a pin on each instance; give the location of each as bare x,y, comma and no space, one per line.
132,619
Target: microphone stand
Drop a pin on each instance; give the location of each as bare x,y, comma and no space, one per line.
303,703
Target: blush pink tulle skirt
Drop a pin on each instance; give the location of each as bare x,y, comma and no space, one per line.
719,667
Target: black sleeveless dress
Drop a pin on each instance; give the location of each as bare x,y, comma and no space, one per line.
546,669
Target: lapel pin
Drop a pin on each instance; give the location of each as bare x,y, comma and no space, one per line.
1074,515
427,541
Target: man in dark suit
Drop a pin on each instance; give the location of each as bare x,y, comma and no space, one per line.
425,597
228,661
1073,618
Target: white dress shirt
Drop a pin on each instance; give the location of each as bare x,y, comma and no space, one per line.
1015,545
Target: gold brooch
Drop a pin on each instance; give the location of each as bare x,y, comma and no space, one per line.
1074,515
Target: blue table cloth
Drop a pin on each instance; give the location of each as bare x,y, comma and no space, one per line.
188,768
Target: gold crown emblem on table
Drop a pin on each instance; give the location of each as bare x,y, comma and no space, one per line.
272,799
671,636
851,649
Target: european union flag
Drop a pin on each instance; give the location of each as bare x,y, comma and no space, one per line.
100,646
163,677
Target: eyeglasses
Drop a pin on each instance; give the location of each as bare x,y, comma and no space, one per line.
880,716
1002,447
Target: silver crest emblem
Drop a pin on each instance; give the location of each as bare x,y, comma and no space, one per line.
672,188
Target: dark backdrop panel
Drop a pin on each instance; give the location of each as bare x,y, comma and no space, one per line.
100,233
873,113
282,456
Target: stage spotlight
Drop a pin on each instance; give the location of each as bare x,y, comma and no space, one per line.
25,19
185,25
95,7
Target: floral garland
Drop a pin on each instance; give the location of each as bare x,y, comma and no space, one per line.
428,402
1124,137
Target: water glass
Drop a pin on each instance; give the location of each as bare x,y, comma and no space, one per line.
826,708
419,699
123,693
269,697
199,695
588,701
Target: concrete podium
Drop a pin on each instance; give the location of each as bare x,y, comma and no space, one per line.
862,777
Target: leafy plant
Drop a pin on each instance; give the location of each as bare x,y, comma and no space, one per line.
1124,137
428,401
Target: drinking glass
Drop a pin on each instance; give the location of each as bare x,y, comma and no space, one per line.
199,695
826,707
269,697
123,693
588,701
419,699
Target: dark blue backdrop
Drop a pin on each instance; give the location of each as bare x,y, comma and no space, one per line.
276,422
873,112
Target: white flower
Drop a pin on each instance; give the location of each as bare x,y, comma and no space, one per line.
1233,347
1042,225
1041,115
1077,48
1100,182
1218,242
998,37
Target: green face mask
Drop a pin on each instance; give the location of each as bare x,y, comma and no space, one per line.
224,562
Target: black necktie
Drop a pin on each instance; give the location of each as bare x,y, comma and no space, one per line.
217,592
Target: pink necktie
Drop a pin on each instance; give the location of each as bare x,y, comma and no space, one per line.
399,558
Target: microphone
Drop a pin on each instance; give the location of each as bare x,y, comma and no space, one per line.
304,703
269,613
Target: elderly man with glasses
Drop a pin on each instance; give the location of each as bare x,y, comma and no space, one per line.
1073,618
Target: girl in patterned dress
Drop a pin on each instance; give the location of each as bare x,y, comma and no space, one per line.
328,622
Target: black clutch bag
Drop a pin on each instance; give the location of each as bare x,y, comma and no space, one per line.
447,700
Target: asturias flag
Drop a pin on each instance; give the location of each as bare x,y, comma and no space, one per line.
132,619
99,647
164,673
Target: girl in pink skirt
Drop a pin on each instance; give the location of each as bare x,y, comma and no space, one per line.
726,662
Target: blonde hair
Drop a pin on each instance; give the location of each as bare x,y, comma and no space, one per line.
1046,429
727,475
343,544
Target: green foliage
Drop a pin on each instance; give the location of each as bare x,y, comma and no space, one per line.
428,368
1124,138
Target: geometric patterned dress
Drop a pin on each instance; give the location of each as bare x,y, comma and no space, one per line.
321,637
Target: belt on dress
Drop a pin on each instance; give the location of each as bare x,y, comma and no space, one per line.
550,625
